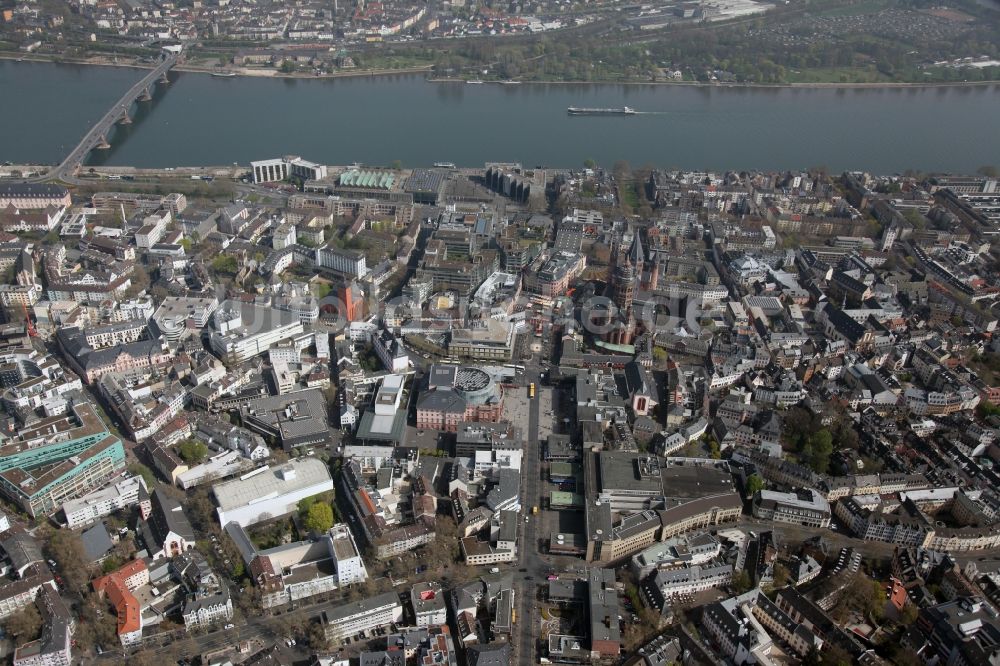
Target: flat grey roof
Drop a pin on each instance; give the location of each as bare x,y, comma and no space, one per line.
184,306
634,472
338,613
382,427
603,606
691,482
240,492
292,415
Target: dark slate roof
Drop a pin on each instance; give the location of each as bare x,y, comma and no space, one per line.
239,536
494,654
635,253
22,549
441,399
31,190
107,356
640,381
96,542
847,327
383,658
168,516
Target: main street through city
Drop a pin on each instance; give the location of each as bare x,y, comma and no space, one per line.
264,630
529,558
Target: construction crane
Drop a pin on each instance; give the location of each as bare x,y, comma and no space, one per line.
31,325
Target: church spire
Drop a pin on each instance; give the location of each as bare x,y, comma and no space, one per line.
636,255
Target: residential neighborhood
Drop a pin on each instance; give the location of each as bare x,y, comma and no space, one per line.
502,415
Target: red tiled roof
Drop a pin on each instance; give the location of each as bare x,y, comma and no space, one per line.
125,603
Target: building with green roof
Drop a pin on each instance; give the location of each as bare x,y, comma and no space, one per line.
563,500
560,472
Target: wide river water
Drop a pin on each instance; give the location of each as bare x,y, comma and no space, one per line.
205,120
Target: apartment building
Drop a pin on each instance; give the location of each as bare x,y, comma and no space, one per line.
349,262
54,646
362,616
16,594
207,610
346,557
129,491
390,351
602,613
59,459
119,586
429,607
555,275
805,507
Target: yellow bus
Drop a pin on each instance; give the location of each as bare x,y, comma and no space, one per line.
531,390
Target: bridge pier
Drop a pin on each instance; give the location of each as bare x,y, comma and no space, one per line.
125,119
164,79
145,96
103,143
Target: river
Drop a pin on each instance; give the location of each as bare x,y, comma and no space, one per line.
205,120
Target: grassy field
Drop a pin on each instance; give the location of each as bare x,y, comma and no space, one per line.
630,197
395,61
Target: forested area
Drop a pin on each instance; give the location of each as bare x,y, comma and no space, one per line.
860,42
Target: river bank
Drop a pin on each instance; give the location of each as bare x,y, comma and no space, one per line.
251,72
195,69
275,74
764,86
